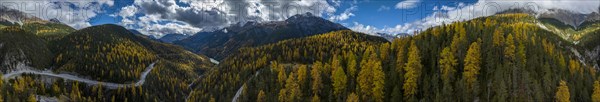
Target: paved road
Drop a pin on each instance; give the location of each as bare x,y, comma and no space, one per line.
110,85
239,91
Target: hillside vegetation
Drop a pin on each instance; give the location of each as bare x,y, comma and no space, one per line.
103,53
49,30
505,57
19,46
568,32
107,53
510,57
237,69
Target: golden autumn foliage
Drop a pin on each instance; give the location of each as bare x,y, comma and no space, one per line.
352,98
562,93
472,66
447,64
261,96
413,72
339,78
596,92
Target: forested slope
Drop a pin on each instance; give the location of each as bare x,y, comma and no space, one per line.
48,30
224,81
103,52
106,53
505,57
20,46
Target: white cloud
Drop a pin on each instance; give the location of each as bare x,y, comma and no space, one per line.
336,2
368,29
490,7
128,11
344,15
74,14
127,21
364,28
447,8
408,4
208,15
169,28
383,8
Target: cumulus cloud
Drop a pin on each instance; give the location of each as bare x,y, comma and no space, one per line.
408,4
345,15
367,29
383,8
448,8
128,11
207,15
169,10
169,28
483,8
336,2
364,28
74,14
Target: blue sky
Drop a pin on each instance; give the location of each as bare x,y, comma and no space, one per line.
159,17
376,13
373,13
381,13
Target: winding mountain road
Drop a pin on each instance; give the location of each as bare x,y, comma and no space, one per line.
214,61
239,91
29,70
191,87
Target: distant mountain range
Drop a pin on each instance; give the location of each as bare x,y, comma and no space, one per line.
221,43
170,38
138,33
391,37
570,18
16,17
46,29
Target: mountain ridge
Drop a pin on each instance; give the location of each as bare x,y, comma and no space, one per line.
47,29
170,38
219,44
